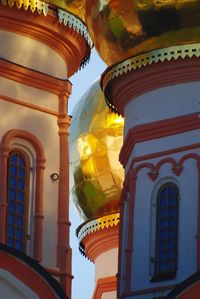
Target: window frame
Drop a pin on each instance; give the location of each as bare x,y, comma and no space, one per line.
21,153
167,275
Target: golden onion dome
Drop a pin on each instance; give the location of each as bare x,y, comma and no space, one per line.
96,136
124,28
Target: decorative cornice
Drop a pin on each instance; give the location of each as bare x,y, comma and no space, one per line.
92,226
155,130
143,60
66,18
73,22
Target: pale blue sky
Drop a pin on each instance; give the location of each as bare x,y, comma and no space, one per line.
83,269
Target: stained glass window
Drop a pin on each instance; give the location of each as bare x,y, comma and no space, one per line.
166,231
17,192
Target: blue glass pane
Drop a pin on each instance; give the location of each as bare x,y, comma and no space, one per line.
171,244
171,222
11,219
163,223
172,192
21,172
11,207
162,267
162,256
171,254
163,213
10,242
163,235
20,184
13,158
172,201
19,221
171,234
170,266
12,194
163,202
20,196
162,245
19,245
172,212
21,161
164,192
19,234
11,231
20,210
13,170
12,182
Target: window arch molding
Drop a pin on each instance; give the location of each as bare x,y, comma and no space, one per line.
5,148
153,218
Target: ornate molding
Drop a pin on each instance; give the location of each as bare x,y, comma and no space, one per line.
92,226
146,59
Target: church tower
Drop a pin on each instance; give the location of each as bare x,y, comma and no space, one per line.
152,49
42,45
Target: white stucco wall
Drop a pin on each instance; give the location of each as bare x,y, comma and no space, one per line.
163,103
27,94
106,264
44,127
32,54
109,295
12,288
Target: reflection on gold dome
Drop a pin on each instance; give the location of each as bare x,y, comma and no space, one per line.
95,141
76,7
124,28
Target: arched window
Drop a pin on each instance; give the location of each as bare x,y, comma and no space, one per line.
167,208
17,200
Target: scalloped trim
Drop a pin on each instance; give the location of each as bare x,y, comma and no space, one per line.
33,5
95,225
142,60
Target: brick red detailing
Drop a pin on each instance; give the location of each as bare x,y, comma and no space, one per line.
129,249
64,253
100,241
70,45
32,78
103,285
27,275
155,130
177,168
40,166
123,89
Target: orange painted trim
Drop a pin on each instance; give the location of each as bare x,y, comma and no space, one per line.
69,44
100,241
26,275
31,77
153,173
27,105
64,253
123,89
104,285
40,166
155,130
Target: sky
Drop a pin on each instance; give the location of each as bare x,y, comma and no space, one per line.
82,268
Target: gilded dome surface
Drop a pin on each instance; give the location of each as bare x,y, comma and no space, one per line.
124,28
76,7
95,141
